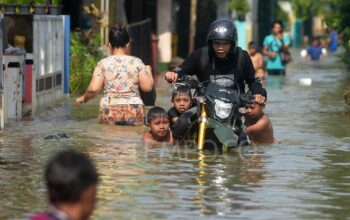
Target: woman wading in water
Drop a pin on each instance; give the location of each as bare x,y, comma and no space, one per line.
121,76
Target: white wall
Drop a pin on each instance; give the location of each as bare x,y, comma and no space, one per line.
164,9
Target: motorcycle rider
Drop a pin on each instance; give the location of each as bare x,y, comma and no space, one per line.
221,58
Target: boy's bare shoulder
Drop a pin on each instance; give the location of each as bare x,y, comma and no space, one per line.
147,137
265,119
264,122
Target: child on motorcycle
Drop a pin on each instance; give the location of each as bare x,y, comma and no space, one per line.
179,116
258,125
158,123
181,100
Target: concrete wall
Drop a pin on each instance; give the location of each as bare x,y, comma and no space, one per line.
254,20
222,10
318,27
11,103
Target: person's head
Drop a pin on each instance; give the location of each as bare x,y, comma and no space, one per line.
252,47
277,27
181,98
260,73
255,110
222,38
158,122
118,36
315,41
71,179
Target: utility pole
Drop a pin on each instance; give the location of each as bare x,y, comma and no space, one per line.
193,18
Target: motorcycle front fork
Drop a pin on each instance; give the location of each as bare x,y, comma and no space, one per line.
243,137
203,120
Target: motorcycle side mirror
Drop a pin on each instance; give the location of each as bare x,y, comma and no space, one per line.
242,110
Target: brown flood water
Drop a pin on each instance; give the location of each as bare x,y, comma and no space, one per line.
306,176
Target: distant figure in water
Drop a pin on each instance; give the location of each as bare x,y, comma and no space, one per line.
159,125
261,74
71,180
314,52
256,57
333,41
258,125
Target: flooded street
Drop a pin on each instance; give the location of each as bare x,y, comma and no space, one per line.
306,176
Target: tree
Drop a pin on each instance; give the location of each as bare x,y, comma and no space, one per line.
304,9
241,7
338,17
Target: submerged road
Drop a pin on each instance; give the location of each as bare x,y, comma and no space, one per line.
306,176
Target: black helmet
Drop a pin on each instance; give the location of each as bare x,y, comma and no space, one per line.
224,30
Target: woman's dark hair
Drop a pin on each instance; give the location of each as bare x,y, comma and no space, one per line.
277,22
181,90
154,113
67,175
118,36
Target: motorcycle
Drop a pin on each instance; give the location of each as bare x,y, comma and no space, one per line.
217,118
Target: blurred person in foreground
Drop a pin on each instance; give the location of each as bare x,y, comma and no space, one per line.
71,181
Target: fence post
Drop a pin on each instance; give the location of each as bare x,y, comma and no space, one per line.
1,75
66,53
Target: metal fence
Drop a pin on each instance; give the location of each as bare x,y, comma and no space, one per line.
140,34
48,52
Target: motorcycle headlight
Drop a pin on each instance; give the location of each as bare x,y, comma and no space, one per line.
222,109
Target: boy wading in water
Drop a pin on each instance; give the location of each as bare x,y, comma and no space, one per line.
256,57
159,125
258,125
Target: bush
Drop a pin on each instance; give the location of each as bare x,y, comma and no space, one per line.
56,2
240,6
83,59
24,2
338,18
39,2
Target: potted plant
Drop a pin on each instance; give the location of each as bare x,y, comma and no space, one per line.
40,7
241,7
55,7
24,6
9,6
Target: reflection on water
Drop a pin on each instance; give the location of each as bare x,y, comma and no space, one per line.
306,176
274,82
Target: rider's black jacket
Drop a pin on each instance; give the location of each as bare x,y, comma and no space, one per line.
228,67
